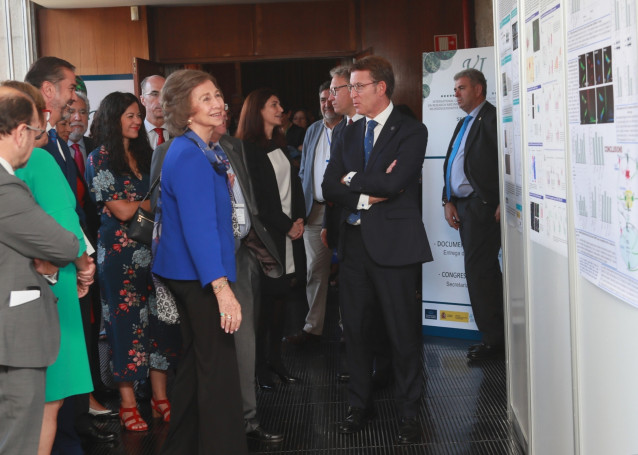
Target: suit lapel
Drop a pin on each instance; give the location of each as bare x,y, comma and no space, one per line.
476,126
354,145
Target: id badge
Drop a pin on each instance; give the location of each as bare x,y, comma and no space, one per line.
240,211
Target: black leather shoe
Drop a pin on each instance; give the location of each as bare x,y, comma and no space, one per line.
474,347
265,382
284,375
409,431
355,421
485,352
302,337
262,435
343,376
102,416
88,432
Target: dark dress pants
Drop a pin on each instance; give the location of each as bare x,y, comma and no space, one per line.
206,405
481,238
373,297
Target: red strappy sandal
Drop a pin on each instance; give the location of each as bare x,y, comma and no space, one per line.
132,423
158,412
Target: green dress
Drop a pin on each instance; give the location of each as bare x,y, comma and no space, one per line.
70,374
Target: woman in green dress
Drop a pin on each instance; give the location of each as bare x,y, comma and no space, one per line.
70,374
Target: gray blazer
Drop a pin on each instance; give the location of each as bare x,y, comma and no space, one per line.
306,171
29,332
234,148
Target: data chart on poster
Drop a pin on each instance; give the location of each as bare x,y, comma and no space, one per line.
603,128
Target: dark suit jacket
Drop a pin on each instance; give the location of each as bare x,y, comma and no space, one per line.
392,230
90,144
332,214
30,332
268,201
481,155
234,149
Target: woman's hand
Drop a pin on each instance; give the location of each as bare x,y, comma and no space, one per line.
296,231
229,307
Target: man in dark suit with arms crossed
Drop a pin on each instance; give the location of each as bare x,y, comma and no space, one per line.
471,205
374,175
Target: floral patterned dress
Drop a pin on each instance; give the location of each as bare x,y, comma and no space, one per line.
138,340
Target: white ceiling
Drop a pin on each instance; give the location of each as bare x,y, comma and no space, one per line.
55,4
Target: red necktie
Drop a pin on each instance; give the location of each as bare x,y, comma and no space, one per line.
350,122
160,135
78,158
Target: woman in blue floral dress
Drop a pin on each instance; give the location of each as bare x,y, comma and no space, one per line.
118,176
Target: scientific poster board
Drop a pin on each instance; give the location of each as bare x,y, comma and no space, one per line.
445,300
602,70
97,87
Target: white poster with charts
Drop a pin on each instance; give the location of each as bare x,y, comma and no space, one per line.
545,116
603,126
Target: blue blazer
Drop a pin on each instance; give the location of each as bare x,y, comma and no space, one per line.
197,240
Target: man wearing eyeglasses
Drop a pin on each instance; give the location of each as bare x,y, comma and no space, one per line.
56,80
29,324
374,174
79,120
315,157
154,122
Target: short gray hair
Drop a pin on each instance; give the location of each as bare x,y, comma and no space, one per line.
475,77
83,97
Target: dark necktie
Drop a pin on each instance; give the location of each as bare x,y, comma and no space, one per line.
160,135
53,135
368,142
221,156
455,149
349,122
78,158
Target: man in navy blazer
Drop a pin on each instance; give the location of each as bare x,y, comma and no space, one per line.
374,174
315,157
471,206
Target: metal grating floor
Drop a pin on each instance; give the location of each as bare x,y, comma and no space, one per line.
463,406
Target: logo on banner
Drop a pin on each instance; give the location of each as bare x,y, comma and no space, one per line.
430,314
455,316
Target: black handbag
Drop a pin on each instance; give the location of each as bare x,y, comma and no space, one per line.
140,227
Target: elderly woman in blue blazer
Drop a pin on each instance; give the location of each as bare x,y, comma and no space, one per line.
195,257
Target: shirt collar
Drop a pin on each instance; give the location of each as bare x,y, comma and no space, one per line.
149,126
5,164
477,109
382,118
354,118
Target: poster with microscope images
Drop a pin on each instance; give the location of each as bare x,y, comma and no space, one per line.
510,109
545,118
603,127
446,303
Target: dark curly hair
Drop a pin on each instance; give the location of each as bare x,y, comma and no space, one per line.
251,122
107,130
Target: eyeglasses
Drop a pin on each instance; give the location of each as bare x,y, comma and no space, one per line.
72,111
40,130
153,94
358,87
334,90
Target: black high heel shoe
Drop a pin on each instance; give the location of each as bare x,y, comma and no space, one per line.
284,375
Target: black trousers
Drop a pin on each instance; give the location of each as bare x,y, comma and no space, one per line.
373,297
206,405
481,239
